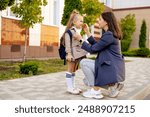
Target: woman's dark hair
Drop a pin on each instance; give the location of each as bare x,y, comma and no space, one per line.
109,17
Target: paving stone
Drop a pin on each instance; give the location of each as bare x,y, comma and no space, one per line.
53,86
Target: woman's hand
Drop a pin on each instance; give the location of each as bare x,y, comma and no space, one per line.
69,57
86,29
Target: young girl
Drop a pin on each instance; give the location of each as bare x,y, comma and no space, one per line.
73,50
109,67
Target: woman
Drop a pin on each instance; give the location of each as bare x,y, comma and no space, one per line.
108,68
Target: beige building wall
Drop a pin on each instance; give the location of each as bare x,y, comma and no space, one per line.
140,14
128,3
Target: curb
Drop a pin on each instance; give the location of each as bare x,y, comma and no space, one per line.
138,94
141,93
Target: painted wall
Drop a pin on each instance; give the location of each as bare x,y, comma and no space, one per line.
129,3
140,14
49,35
53,14
12,33
35,35
43,38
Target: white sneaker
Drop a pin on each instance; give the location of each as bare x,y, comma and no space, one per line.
120,86
78,89
93,94
73,91
115,90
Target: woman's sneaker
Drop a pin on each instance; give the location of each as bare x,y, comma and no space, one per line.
120,86
115,90
93,94
73,91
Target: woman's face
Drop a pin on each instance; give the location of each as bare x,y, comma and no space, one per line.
102,23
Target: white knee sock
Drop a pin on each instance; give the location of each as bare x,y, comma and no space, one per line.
73,79
69,80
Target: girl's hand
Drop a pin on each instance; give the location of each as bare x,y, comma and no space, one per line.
69,57
77,37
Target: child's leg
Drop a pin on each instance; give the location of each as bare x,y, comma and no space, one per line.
70,78
69,74
74,70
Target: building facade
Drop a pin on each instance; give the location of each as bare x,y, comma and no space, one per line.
141,9
42,38
141,13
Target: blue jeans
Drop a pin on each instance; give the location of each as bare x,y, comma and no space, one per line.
88,68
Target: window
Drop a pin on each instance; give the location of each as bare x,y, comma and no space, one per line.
9,12
106,2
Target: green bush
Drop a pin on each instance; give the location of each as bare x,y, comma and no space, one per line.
125,44
142,37
130,53
143,52
28,67
128,26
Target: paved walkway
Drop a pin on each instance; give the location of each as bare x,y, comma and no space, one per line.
52,86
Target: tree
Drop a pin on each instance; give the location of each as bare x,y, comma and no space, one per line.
92,9
30,13
5,3
70,5
128,26
142,37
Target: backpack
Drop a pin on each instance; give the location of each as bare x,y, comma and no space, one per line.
62,48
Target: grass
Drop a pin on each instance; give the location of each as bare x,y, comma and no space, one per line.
10,70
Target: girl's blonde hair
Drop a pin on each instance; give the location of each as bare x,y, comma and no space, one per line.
73,16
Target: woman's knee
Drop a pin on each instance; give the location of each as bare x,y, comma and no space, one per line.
83,62
86,62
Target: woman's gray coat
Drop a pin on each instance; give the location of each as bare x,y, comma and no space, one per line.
109,63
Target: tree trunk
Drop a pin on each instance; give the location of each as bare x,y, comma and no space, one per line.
25,46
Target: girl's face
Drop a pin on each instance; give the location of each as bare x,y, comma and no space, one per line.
78,22
102,23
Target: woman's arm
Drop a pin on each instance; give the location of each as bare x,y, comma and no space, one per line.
91,40
90,37
106,40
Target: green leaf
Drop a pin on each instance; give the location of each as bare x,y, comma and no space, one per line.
29,11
